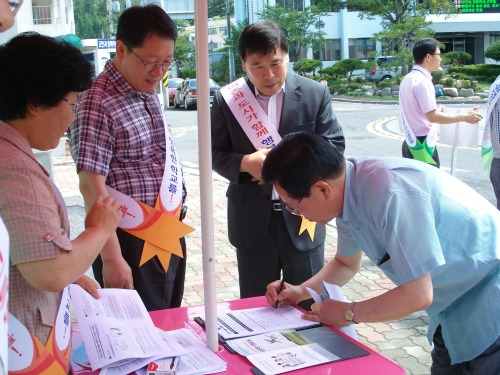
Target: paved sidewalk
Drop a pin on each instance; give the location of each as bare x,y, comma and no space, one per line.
402,341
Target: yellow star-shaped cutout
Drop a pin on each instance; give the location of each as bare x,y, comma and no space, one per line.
310,226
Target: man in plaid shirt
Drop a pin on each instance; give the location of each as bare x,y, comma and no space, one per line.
118,139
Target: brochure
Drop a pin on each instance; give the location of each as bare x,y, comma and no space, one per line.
254,321
116,328
283,351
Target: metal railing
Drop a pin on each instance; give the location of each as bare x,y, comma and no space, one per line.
46,14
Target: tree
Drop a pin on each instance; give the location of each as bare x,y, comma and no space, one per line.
457,58
233,42
185,56
345,67
306,66
403,21
493,51
91,19
217,8
296,25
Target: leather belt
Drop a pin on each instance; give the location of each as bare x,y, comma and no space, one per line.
276,205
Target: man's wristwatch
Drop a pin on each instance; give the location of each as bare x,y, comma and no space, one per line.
349,314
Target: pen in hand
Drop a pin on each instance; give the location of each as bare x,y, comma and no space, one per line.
282,284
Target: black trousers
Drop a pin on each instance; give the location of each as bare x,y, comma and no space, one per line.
257,267
408,155
487,363
158,289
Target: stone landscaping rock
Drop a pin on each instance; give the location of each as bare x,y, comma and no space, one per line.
385,91
450,91
466,92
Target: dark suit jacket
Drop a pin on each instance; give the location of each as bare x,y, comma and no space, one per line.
307,106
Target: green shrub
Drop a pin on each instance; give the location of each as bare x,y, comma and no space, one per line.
347,66
475,85
460,76
359,80
342,90
479,70
466,84
493,51
437,75
457,58
354,85
448,82
385,83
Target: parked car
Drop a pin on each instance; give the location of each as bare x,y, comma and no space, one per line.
380,68
173,83
359,72
186,93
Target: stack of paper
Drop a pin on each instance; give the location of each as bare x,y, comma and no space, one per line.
248,322
115,335
279,340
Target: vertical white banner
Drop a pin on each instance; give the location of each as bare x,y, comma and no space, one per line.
4,295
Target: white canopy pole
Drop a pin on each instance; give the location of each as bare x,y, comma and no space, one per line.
205,163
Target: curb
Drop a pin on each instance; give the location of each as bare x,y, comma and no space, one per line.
356,99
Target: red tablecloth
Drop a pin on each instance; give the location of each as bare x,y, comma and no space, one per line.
373,364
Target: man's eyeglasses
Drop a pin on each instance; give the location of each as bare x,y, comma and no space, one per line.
150,66
295,210
74,106
15,5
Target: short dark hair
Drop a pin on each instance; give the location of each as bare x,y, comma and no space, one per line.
138,22
263,38
38,70
423,47
299,160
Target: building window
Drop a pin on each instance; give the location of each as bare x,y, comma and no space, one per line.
223,30
360,48
331,50
46,14
291,4
335,7
212,31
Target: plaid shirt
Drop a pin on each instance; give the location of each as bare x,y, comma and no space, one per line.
495,129
119,133
37,221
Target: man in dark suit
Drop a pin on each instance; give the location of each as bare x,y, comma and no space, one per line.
264,231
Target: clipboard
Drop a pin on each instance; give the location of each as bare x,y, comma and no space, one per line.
331,341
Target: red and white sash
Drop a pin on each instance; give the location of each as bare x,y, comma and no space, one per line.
28,356
250,115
